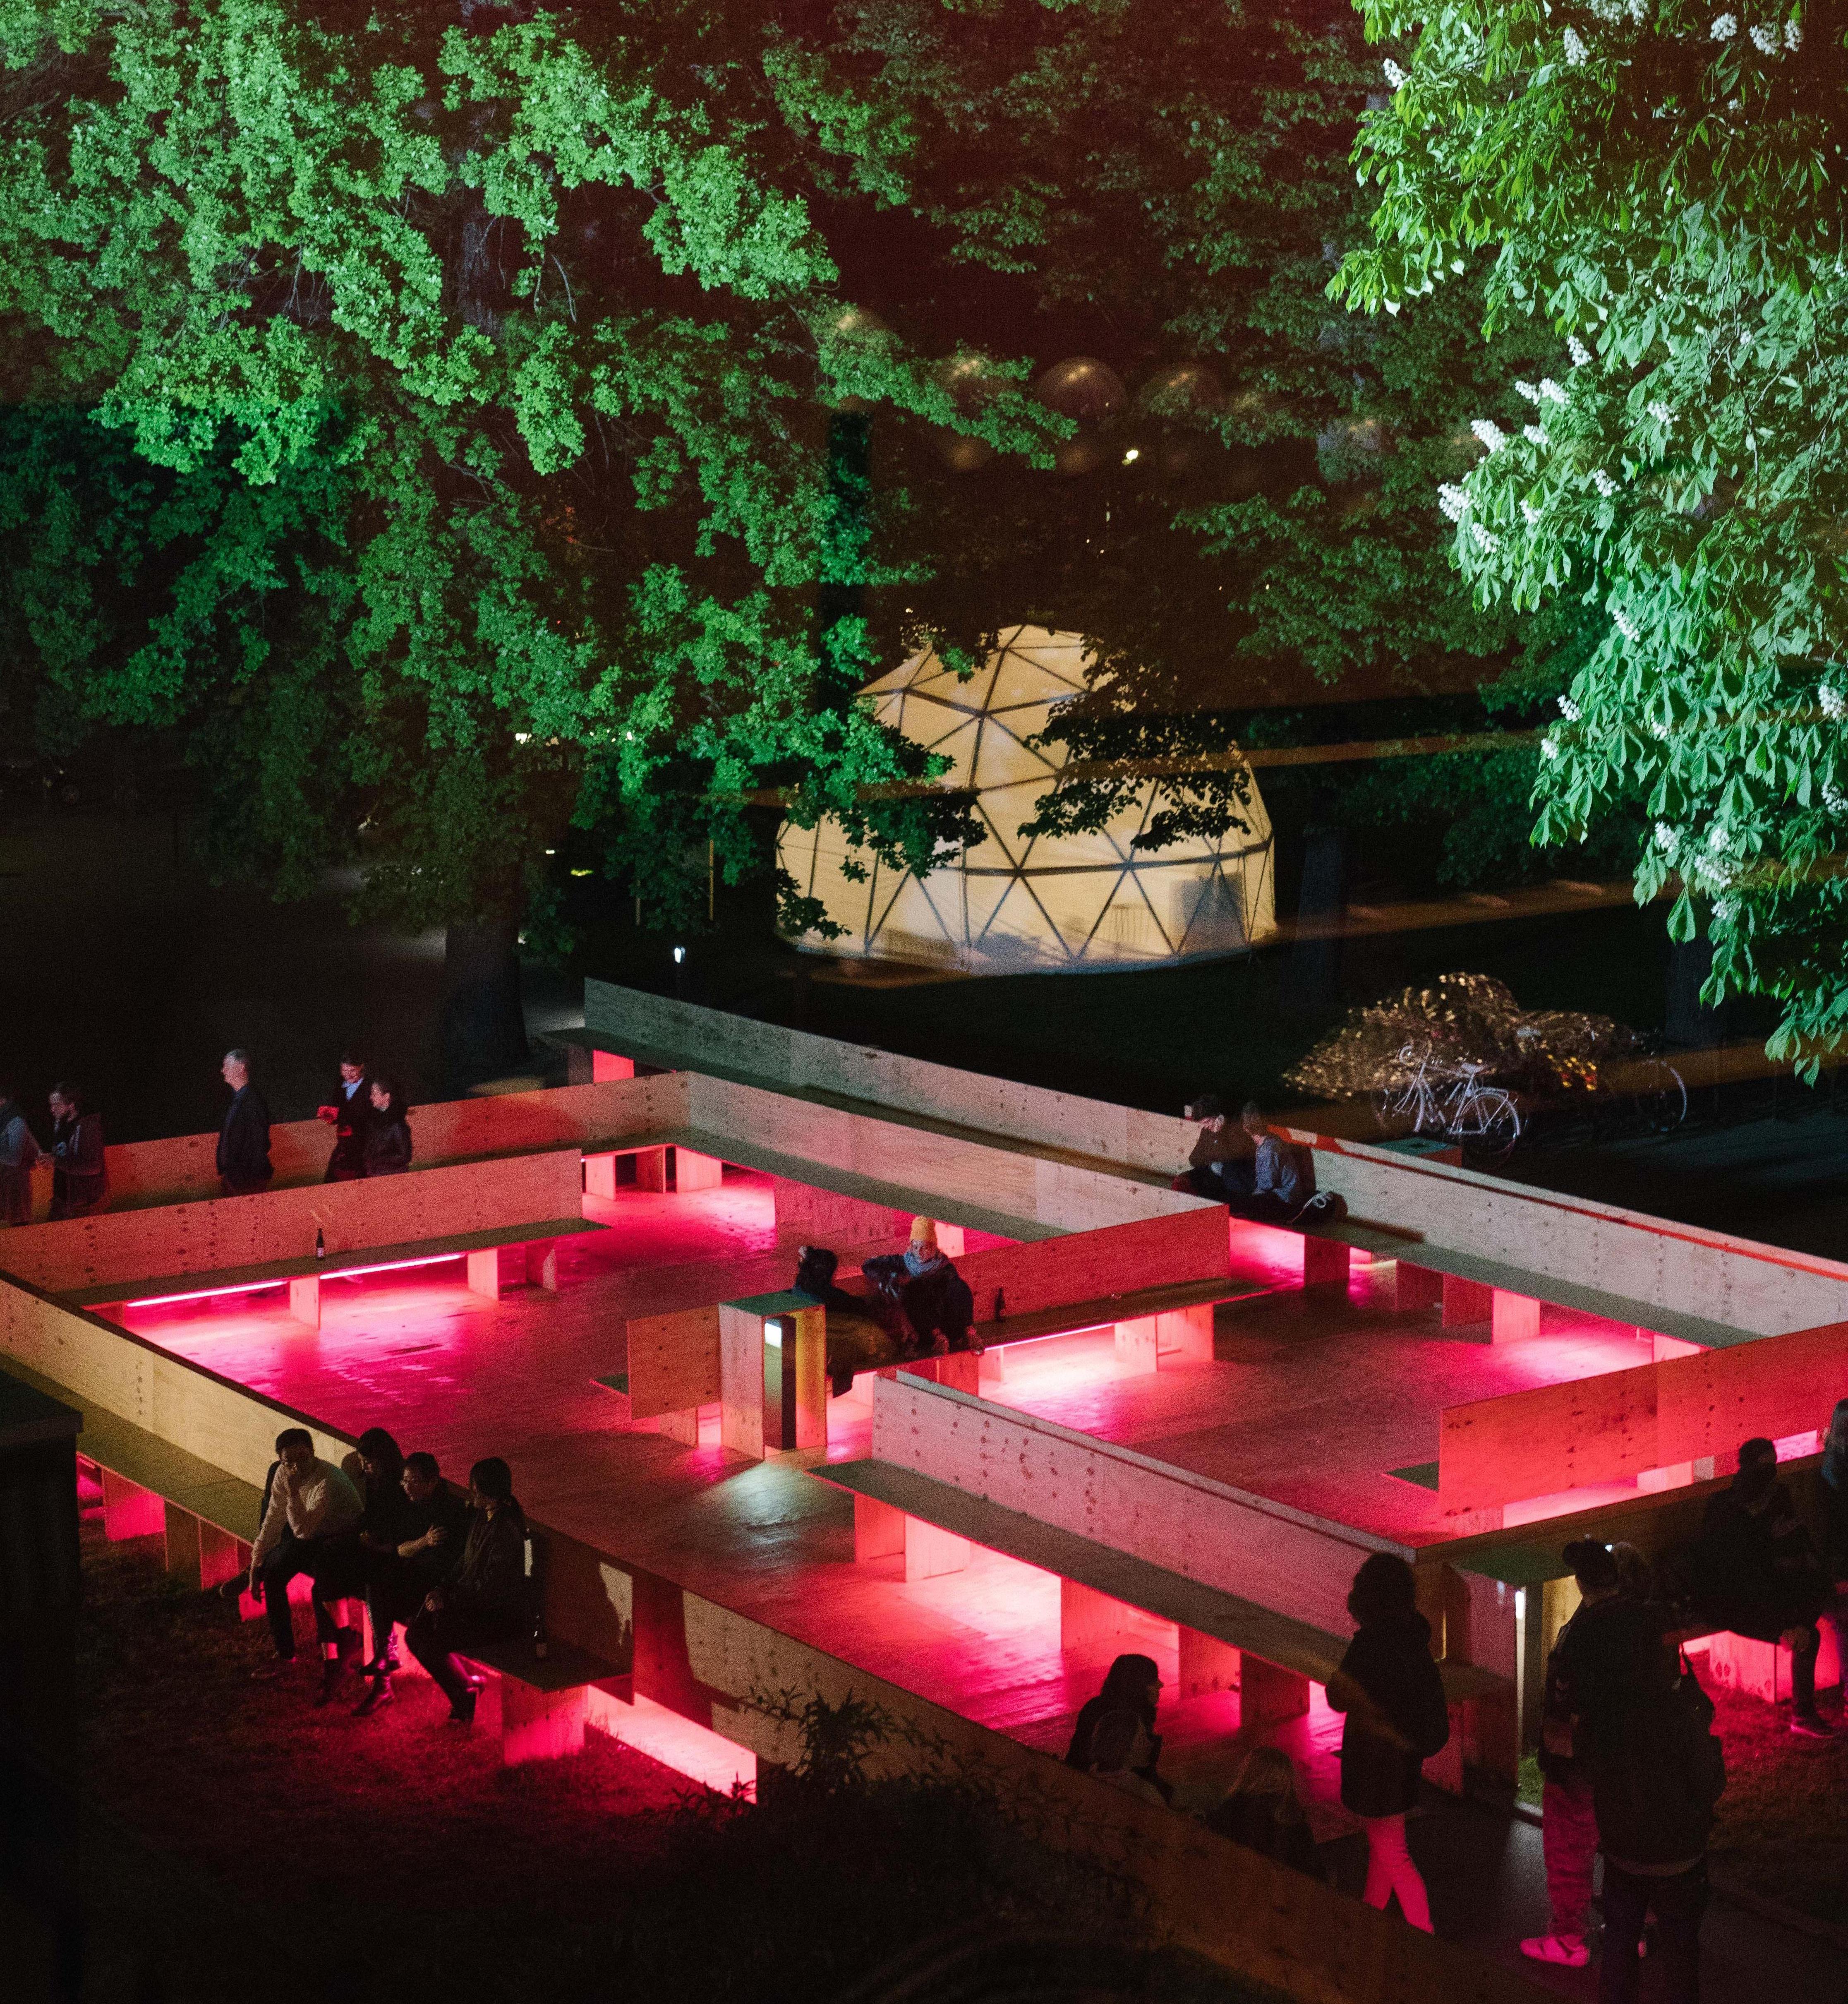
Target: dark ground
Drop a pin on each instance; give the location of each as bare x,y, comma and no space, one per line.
239,1843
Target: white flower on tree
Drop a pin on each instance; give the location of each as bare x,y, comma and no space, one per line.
1832,701
1529,514
1551,390
1581,354
1394,75
1577,53
1487,543
1664,414
1725,27
1569,709
1793,36
1490,433
1603,483
1765,39
1454,500
1665,836
1530,391
1626,626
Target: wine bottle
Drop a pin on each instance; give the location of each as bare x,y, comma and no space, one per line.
321,1244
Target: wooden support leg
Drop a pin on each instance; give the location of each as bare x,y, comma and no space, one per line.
683,1426
878,1529
1324,1263
182,1530
929,1551
651,1169
1091,1623
221,1557
1186,1332
993,1365
1662,1348
1414,1288
696,1173
1137,1343
961,1371
484,1273
580,1065
599,1176
952,1240
1207,1664
540,1726
1267,1694
129,1510
304,1299
1466,1302
1513,1317
606,1065
542,1265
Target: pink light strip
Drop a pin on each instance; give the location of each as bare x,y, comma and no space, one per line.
260,1286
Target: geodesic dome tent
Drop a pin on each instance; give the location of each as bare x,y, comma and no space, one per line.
1012,904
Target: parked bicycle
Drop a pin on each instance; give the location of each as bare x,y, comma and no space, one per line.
1449,1098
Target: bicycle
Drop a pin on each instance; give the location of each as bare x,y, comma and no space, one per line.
1451,1101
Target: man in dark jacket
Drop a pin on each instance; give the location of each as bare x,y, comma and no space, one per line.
1610,1649
80,1171
486,1600
1224,1162
433,1531
244,1158
349,1113
1659,1772
1756,1573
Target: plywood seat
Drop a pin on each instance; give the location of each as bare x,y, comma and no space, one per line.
1277,1639
229,1279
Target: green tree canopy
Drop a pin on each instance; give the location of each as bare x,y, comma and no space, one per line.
1658,185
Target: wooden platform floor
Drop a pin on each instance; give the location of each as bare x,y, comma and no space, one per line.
1316,1396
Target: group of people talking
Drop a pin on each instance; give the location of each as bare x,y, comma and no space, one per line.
371,1123
450,1570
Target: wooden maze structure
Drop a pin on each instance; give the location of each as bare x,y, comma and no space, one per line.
664,1598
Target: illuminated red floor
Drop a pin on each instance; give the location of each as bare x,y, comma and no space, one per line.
1314,1398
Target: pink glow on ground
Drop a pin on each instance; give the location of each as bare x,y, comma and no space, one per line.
689,1749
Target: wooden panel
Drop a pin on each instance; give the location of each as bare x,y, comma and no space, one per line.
930,1552
673,1361
1709,1402
182,1530
129,1512
1091,1623
878,1529
182,1168
1138,1344
1207,1664
1283,1559
1619,1424
1087,1266
119,1248
694,1172
1186,1332
741,1380
1267,1694
811,1217
1551,1438
1466,1303
1415,1287
1514,1318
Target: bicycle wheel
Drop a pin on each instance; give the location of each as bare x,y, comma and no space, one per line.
1487,1124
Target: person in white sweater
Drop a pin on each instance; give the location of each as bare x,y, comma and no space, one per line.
310,1501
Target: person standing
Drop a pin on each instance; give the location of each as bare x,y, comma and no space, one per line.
1608,1650
1397,1719
1757,1573
1658,1771
349,1113
243,1157
485,1600
19,1155
387,1131
80,1170
311,1503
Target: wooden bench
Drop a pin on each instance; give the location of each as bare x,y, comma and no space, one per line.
1225,1642
535,1246
538,1704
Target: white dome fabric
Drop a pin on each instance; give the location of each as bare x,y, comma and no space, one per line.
1012,904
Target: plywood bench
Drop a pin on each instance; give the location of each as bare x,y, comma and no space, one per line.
534,1247
538,1704
1225,1642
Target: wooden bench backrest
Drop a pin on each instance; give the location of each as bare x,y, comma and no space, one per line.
1614,1425
674,1359
228,1232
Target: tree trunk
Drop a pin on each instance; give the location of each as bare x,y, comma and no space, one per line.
483,1025
1312,975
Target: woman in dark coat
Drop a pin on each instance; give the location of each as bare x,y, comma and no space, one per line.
1133,1684
1263,1812
388,1132
346,1565
1397,1719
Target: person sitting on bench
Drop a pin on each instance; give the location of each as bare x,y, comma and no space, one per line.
485,1599
376,1469
1263,1811
1224,1164
1120,1753
310,1503
432,1531
933,1299
1133,1683
1755,1573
